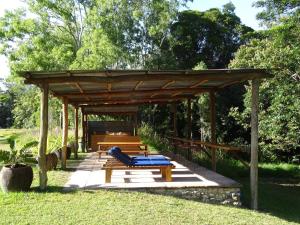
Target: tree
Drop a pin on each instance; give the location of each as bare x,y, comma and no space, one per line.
279,114
274,11
211,36
6,106
80,34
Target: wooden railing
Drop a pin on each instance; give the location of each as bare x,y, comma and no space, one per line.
197,145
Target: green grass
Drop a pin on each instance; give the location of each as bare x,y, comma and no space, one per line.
116,207
279,203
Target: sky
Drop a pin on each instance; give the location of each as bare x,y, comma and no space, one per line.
244,10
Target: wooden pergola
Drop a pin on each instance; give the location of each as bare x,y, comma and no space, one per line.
94,89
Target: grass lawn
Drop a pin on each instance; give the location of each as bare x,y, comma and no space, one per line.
116,207
279,204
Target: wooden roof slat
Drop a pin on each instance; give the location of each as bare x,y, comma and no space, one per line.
193,75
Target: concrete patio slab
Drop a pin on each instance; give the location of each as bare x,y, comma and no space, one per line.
88,175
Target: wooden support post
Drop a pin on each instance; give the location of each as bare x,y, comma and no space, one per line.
135,124
189,119
168,172
76,133
163,173
174,105
254,144
83,130
108,173
212,106
65,134
86,138
43,137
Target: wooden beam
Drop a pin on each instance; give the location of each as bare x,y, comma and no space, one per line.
76,132
138,84
254,144
128,101
131,103
189,119
65,134
168,84
212,106
198,83
136,92
43,138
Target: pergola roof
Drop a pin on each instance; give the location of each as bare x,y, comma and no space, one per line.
111,87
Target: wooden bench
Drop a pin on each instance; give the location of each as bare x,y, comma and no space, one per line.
114,164
95,138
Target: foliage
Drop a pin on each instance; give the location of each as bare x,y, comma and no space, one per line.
279,97
6,104
211,37
275,11
15,155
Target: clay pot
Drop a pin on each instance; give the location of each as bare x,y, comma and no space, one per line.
18,178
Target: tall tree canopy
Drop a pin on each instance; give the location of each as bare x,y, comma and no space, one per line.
80,34
277,50
212,36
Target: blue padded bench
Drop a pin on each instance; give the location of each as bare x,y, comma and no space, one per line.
121,161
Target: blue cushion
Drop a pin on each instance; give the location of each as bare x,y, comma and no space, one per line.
152,157
151,163
118,154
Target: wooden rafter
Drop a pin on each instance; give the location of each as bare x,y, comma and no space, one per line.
109,85
230,83
168,84
80,89
176,93
198,83
138,84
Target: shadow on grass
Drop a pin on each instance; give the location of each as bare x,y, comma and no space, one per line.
279,186
279,197
54,189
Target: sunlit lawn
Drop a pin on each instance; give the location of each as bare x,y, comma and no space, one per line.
279,203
